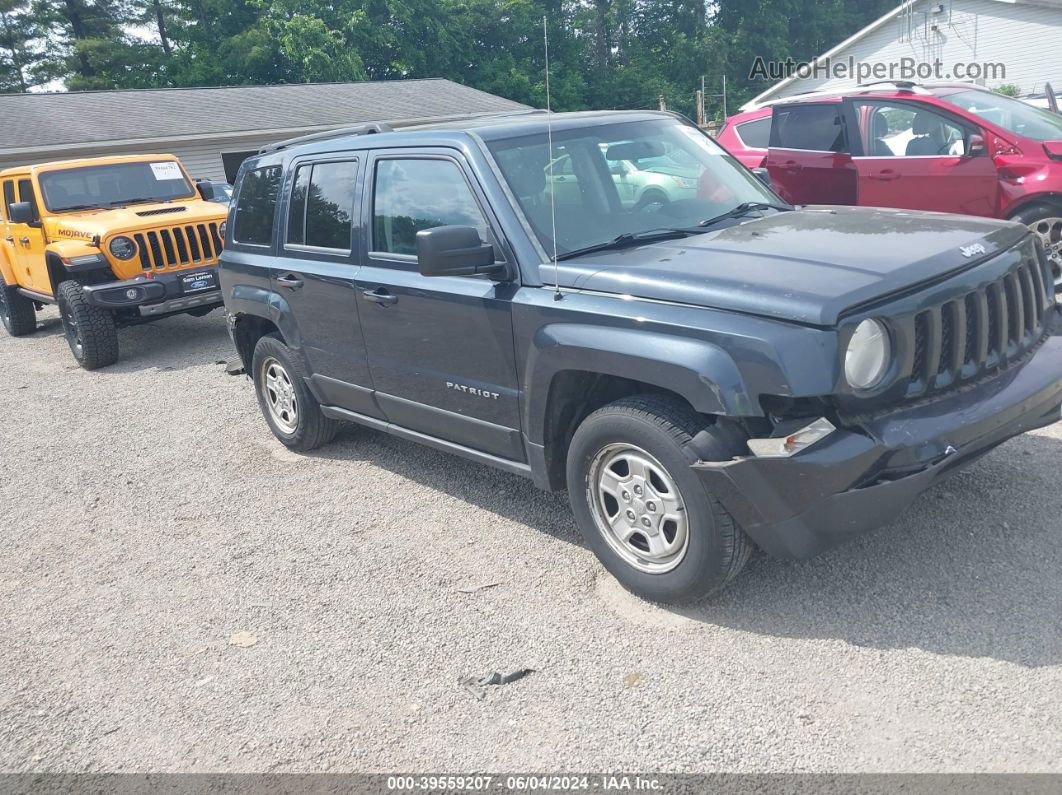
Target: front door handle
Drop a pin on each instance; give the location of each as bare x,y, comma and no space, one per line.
289,280
380,296
24,241
10,238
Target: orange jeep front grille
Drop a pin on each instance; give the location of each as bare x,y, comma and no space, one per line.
178,246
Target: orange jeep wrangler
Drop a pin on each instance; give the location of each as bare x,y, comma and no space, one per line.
114,241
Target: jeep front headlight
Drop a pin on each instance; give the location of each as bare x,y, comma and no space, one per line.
869,355
123,248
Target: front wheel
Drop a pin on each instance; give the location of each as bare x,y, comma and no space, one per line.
641,507
292,412
1045,220
89,330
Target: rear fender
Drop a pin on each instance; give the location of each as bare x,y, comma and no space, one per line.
245,299
700,372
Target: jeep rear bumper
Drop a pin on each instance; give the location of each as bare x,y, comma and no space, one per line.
858,479
160,293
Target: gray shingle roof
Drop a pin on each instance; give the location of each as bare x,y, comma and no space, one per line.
90,116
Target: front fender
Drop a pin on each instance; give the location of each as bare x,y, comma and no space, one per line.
701,372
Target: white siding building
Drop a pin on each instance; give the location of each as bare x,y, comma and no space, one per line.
1025,36
213,129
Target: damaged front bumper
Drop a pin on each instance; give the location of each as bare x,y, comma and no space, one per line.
857,479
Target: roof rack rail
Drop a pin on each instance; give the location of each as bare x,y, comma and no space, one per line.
361,129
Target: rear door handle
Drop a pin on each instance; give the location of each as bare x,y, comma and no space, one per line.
886,176
24,241
289,280
380,296
10,238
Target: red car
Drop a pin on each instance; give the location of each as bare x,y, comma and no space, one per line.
954,148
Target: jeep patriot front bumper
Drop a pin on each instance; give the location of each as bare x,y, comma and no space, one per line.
160,293
857,479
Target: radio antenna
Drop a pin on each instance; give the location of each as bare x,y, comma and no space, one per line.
552,195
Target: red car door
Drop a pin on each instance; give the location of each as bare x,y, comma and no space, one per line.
808,160
908,155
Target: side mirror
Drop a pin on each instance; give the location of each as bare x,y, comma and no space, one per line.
975,146
206,189
763,176
454,251
20,213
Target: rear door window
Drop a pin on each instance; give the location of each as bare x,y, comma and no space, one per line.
814,128
9,197
322,204
256,207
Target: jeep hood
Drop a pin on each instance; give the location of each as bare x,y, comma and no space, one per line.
806,266
89,223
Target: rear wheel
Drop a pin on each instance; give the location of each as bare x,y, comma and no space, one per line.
641,507
293,414
1045,220
16,311
89,330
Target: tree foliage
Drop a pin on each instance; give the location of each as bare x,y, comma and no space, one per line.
604,53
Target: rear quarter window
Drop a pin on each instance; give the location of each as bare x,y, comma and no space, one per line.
256,207
755,134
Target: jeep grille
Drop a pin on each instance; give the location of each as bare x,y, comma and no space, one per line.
178,246
973,334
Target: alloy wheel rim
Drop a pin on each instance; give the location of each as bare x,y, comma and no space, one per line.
280,397
638,508
73,334
1049,230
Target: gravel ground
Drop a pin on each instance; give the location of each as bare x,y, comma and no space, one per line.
149,516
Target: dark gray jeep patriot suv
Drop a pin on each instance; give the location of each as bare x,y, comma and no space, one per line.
702,370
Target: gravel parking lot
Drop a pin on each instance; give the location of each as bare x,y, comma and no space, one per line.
149,516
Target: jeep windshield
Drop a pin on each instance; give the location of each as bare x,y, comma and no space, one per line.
113,185
618,184
1010,114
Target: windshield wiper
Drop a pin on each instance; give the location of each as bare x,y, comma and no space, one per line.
743,209
629,239
81,207
145,200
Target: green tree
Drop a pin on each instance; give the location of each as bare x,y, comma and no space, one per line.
19,46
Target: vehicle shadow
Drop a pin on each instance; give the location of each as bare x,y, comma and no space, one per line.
173,343
971,569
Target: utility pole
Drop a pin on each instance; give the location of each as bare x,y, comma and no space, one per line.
663,105
698,99
704,94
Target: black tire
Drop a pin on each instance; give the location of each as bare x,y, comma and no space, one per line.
716,549
17,312
309,428
1045,220
89,330
651,197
